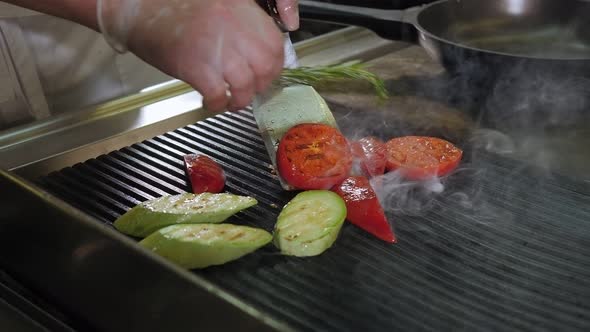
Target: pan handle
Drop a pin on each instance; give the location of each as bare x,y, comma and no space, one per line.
389,24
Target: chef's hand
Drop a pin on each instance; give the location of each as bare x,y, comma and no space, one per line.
289,12
214,46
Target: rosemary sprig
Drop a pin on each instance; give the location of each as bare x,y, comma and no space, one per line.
353,70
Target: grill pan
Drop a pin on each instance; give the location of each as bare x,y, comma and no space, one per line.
482,38
504,247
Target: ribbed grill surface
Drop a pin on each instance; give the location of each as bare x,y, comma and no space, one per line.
501,248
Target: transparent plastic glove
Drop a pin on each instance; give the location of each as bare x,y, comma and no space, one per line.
215,46
289,13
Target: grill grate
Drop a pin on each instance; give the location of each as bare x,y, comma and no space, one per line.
502,247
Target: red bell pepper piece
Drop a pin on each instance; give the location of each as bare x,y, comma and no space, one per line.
204,173
363,208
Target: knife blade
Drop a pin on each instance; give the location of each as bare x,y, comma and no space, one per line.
270,7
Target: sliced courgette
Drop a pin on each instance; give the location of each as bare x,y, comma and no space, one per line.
309,224
202,245
187,208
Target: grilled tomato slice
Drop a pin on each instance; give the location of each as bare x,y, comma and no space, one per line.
422,157
313,156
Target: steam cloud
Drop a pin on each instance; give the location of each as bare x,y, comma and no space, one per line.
536,115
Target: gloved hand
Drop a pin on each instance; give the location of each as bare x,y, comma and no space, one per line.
214,46
289,12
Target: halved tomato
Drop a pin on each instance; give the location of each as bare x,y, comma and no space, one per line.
422,157
363,208
313,156
204,173
370,152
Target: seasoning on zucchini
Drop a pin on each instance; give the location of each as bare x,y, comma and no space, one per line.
202,245
309,224
187,208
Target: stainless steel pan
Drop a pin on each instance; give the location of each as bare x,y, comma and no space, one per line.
492,35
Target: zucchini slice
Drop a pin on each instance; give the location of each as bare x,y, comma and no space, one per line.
310,223
187,208
202,245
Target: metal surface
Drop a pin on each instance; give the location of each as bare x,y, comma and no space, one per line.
281,108
90,133
102,278
21,310
534,35
504,247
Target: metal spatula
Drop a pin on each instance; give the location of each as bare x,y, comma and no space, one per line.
280,108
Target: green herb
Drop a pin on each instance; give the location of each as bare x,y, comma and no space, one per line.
353,70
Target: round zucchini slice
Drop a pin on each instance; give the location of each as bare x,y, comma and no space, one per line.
310,223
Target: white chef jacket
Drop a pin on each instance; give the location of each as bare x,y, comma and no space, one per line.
49,66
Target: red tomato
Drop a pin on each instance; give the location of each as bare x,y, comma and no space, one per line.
420,157
313,156
370,153
204,173
363,208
